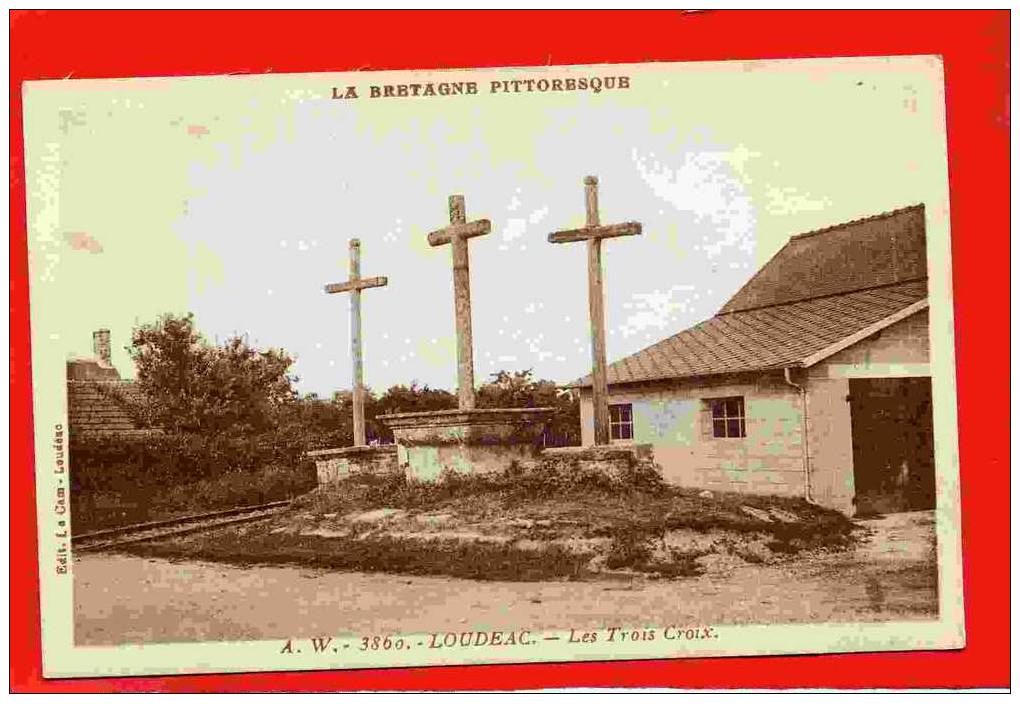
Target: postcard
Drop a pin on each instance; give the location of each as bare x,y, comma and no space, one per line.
546,364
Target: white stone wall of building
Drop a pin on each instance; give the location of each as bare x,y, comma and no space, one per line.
898,350
672,417
676,421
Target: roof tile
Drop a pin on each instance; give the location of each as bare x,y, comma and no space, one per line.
819,289
766,338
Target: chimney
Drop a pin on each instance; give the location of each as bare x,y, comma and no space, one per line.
101,346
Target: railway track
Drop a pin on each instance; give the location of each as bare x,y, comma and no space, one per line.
105,539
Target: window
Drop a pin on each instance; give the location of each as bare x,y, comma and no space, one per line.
728,417
621,422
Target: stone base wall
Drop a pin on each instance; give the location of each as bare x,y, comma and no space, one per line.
430,463
336,464
616,463
467,442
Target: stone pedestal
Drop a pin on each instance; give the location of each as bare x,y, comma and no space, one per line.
469,441
336,464
613,463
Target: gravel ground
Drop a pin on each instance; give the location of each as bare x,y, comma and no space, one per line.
889,575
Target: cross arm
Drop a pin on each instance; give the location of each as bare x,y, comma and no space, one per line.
597,231
352,285
465,230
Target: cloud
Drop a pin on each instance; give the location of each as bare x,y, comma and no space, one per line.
789,201
655,310
703,183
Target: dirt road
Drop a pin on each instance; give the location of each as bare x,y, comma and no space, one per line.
890,575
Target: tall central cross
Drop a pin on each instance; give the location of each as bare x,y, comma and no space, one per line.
594,234
355,285
457,234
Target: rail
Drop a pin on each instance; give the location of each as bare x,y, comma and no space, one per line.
140,532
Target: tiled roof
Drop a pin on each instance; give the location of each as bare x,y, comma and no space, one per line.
767,338
880,250
99,408
819,289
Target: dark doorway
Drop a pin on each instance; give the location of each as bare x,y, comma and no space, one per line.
894,449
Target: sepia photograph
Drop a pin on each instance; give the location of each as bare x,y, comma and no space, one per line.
562,363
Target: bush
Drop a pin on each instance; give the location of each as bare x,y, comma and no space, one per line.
128,502
520,390
160,459
237,489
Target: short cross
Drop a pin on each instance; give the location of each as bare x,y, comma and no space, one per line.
594,234
355,285
457,234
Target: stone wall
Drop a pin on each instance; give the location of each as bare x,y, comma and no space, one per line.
431,444
674,419
830,443
613,463
336,464
898,350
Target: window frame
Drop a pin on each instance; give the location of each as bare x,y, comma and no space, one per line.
731,423
618,424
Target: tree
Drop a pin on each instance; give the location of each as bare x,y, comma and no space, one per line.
520,390
317,423
191,386
404,399
407,399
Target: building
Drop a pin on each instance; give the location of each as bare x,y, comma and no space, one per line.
812,381
97,397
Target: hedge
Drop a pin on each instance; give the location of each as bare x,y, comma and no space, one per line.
157,459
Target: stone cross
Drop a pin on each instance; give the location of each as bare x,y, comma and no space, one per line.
457,234
594,234
355,285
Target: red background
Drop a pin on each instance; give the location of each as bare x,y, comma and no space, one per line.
974,46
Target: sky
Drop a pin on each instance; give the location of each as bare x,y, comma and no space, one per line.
234,198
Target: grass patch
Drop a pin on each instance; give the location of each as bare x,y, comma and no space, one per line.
520,526
452,558
633,551
628,552
647,509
